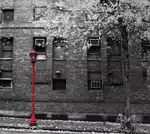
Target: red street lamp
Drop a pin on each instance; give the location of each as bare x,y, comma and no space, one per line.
33,56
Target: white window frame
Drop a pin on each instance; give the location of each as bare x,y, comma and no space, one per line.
95,84
5,79
43,40
40,56
97,44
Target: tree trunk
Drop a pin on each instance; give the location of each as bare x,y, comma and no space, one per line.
125,67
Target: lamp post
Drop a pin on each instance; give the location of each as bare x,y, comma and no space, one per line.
33,56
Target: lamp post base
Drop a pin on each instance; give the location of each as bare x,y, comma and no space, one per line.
33,121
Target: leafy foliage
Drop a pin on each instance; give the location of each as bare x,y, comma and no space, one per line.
77,21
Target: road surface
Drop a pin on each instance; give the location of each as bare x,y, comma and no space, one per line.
25,131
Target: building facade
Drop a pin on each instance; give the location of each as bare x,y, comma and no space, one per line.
66,82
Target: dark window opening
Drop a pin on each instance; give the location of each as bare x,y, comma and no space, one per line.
94,118
7,42
146,119
111,118
5,83
59,84
94,50
95,46
39,45
40,116
6,47
8,15
59,117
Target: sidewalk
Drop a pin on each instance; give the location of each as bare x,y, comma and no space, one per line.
67,125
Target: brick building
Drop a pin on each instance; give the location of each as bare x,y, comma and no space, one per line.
72,83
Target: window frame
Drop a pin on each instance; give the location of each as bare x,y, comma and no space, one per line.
41,55
99,80
109,44
62,57
96,83
34,12
55,81
6,49
6,79
98,45
4,11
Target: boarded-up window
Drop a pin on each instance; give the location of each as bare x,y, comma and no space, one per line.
40,13
59,48
59,84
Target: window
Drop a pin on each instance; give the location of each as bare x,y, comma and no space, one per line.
39,45
6,47
113,46
7,15
94,45
40,13
145,58
94,51
115,73
59,84
5,83
145,50
94,81
59,48
95,84
6,55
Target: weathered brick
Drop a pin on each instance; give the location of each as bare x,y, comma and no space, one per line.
75,68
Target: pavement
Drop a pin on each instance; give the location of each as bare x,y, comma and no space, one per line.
21,125
24,131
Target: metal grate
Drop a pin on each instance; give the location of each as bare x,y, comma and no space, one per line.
95,84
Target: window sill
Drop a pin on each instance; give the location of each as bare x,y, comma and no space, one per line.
5,78
94,59
41,57
7,22
94,90
94,53
59,59
60,91
6,58
7,49
115,84
4,89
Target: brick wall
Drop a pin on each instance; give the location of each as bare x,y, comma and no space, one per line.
76,98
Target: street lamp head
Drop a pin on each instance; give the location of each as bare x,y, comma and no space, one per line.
33,55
